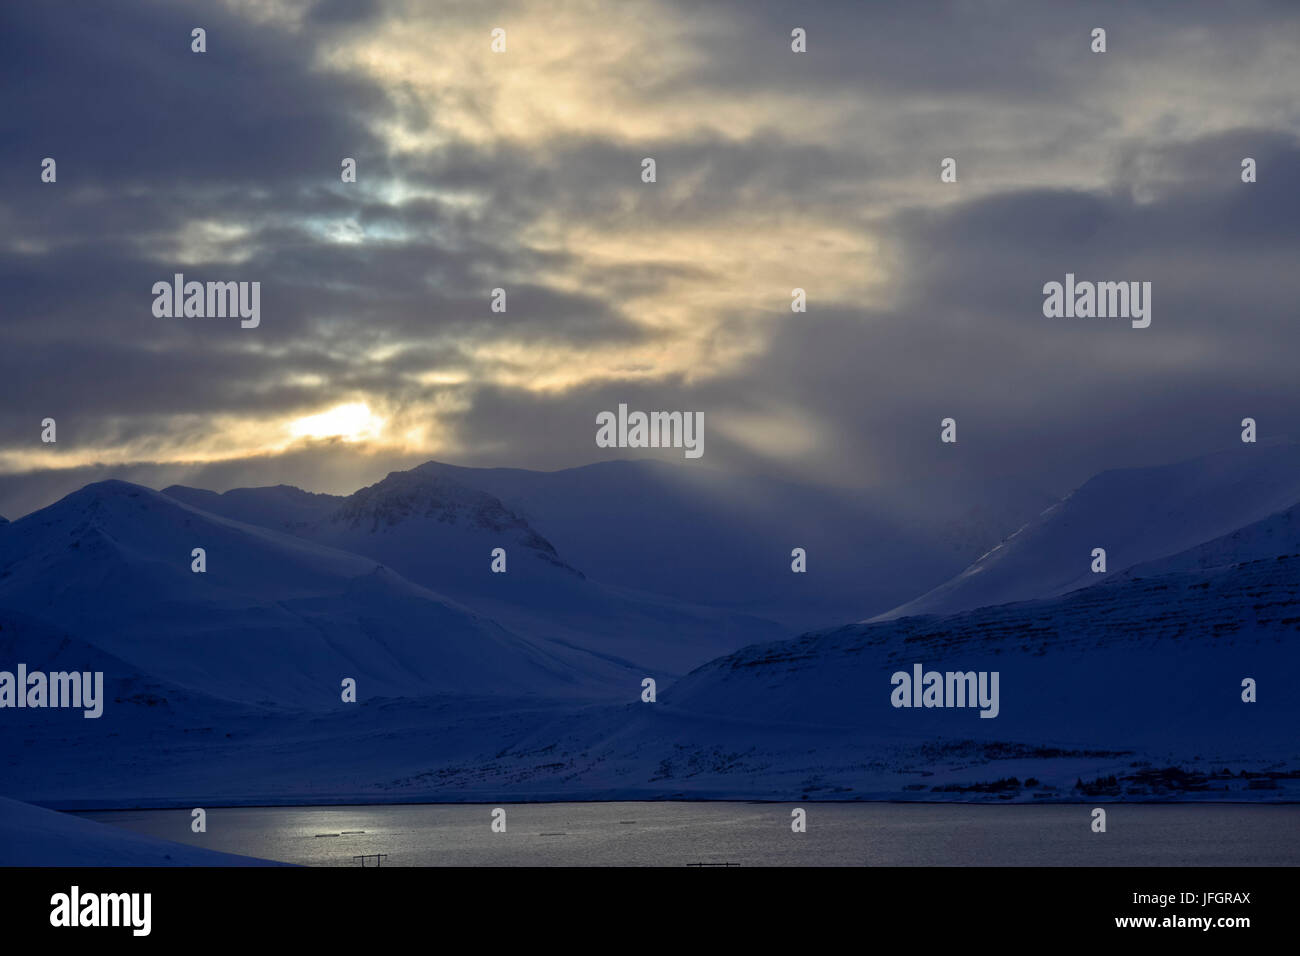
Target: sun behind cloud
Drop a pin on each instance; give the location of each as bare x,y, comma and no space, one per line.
353,421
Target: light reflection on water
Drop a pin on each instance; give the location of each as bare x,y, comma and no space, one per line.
749,834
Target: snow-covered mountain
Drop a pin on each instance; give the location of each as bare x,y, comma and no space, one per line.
691,535
279,507
273,619
1139,679
1150,659
1276,537
1136,678
445,515
440,533
1135,514
719,538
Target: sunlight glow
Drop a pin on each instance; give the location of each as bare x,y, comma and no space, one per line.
351,422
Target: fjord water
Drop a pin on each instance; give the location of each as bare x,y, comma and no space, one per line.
747,834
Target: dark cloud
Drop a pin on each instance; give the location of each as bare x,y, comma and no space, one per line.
345,12
229,163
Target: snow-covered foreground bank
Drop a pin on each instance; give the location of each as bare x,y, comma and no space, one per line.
34,836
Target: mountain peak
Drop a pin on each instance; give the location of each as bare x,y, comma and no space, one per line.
279,507
424,492
113,494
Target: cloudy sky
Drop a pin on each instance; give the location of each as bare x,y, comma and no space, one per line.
377,348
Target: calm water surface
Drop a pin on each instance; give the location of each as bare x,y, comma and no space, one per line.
749,834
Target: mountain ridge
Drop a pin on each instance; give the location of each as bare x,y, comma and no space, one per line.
1135,514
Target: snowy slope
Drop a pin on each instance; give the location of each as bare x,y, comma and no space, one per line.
1276,537
34,836
1135,514
440,533
713,537
280,507
1154,660
690,535
1139,678
274,619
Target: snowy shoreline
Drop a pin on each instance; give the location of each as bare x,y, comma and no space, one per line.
630,796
